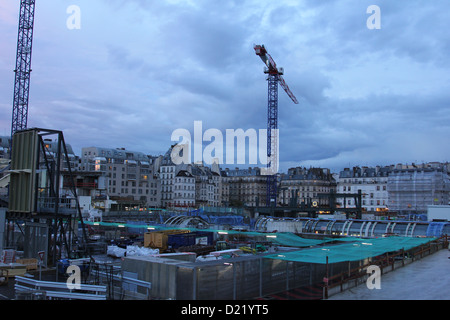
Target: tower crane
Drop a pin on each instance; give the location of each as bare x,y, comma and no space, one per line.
23,66
274,77
19,123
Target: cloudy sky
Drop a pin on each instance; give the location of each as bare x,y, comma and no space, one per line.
136,70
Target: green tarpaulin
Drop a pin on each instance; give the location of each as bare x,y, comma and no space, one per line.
353,249
316,250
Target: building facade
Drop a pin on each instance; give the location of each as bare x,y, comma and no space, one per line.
302,186
371,181
207,185
167,171
130,176
244,187
184,193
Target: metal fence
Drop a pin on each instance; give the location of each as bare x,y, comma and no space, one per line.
257,277
119,285
245,277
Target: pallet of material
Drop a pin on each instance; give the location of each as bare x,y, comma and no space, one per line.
30,263
158,239
14,269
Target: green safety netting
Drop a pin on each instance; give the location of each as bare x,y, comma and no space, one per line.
353,249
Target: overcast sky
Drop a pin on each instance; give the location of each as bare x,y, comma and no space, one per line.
137,70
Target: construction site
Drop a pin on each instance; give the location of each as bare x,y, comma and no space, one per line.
51,250
163,255
190,256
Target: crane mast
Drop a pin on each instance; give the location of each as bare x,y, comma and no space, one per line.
274,78
23,66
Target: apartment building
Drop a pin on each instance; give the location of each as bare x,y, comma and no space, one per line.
167,171
129,175
190,185
184,193
302,186
207,185
5,142
244,187
371,181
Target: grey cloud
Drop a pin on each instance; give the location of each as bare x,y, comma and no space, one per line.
174,63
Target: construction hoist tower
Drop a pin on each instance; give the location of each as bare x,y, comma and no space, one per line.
274,77
23,66
49,224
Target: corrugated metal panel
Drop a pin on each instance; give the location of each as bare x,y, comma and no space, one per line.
22,186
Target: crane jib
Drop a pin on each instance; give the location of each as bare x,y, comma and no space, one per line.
261,51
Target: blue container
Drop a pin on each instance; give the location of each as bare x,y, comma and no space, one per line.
204,237
181,240
190,239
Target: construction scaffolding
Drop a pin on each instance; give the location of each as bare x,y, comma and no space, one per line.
412,190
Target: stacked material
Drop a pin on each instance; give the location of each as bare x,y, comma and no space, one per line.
14,269
117,252
30,264
8,256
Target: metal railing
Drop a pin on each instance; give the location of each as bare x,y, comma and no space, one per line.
58,290
354,277
119,285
